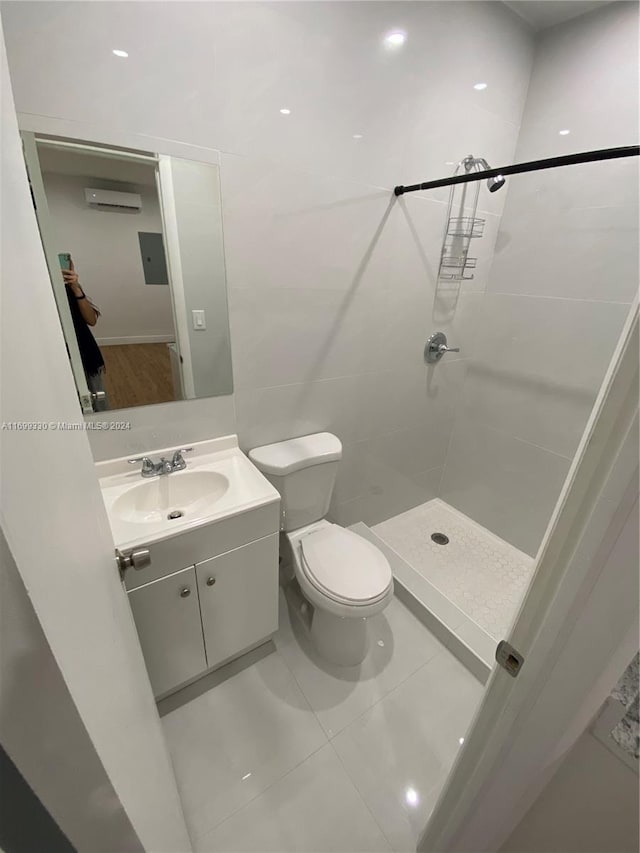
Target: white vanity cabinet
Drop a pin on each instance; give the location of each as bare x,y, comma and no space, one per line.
167,616
238,598
202,573
193,620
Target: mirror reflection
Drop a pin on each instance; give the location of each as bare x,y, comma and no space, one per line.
134,247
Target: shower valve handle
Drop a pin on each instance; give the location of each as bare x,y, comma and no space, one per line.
436,347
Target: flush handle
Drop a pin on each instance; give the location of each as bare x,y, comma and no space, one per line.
211,581
185,592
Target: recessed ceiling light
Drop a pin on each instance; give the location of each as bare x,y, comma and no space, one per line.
480,86
285,111
564,132
395,39
357,136
122,53
460,740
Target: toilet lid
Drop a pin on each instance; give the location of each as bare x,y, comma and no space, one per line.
344,566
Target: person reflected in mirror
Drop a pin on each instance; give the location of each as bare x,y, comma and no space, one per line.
84,314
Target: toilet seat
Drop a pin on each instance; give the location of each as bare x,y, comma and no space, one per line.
344,567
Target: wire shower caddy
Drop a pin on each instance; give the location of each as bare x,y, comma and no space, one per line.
463,225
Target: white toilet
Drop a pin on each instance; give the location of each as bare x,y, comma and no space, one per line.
342,576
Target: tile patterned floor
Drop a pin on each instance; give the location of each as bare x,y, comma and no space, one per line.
293,754
481,574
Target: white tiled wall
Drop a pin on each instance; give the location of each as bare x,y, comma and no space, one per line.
564,273
331,282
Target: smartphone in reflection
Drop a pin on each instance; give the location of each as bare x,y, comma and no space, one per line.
65,260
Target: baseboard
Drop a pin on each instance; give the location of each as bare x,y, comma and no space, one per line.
136,339
203,683
473,647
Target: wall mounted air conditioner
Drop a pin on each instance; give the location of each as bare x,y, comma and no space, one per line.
112,200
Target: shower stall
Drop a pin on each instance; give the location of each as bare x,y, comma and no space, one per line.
533,359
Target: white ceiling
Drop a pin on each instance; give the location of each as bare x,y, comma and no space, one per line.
62,161
541,14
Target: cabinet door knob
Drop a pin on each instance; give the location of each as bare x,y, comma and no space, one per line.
211,581
185,593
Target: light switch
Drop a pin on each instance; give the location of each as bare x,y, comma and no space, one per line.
199,321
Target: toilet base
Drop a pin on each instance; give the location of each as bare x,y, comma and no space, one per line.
338,639
338,631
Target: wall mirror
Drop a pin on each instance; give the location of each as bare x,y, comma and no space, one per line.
134,247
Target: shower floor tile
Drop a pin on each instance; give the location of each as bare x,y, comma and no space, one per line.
481,574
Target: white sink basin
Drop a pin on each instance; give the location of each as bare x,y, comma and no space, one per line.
187,494
218,482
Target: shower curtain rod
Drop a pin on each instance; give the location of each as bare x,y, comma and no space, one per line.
531,166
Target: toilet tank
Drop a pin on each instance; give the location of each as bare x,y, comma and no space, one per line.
304,471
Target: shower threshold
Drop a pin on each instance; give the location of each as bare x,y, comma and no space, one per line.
461,580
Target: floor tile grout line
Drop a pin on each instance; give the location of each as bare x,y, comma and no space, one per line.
380,698
319,721
264,791
293,675
393,689
291,769
361,795
328,742
386,696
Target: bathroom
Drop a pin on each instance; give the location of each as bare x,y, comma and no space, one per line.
279,132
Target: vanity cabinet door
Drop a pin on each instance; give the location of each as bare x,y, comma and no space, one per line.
239,598
167,617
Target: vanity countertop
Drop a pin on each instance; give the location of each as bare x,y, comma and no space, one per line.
218,482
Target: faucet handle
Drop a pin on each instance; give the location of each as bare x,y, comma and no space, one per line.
177,456
147,464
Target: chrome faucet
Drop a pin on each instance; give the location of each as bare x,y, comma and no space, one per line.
164,465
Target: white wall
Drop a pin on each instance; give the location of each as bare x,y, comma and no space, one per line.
40,728
331,281
197,210
564,274
162,426
55,524
590,805
105,249
331,287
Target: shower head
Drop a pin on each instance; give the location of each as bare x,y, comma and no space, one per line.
479,164
494,183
